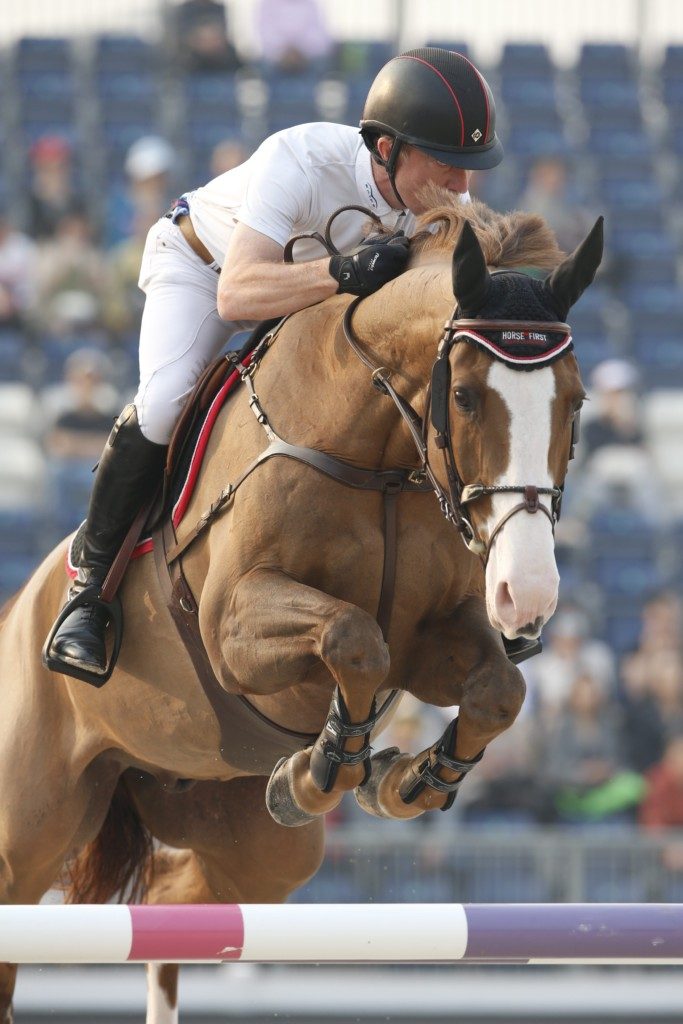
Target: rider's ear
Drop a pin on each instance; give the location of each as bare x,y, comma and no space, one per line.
567,282
471,278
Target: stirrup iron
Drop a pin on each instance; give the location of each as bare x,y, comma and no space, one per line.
88,595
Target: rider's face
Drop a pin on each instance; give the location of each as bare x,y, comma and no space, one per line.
415,169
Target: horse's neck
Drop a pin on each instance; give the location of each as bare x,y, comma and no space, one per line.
319,393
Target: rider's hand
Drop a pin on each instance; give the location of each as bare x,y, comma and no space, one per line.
379,259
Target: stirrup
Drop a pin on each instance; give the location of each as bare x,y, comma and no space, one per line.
88,595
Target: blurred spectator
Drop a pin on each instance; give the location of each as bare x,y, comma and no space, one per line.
124,300
52,192
149,166
570,652
653,707
618,419
292,35
581,757
507,782
548,192
226,155
199,37
17,269
71,279
660,636
663,803
615,457
85,406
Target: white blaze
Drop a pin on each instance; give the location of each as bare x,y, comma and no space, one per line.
521,577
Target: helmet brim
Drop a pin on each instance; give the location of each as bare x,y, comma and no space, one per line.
479,159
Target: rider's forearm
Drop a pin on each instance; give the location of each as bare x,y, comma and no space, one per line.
264,289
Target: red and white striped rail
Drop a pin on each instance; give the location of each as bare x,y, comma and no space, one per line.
345,933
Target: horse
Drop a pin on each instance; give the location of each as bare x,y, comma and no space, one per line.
451,447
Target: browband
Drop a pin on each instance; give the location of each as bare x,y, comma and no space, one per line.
518,344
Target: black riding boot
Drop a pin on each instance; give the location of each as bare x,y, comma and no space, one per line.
127,476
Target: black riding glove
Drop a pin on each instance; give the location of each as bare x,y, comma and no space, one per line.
379,259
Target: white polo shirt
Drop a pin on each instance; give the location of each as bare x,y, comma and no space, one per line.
292,184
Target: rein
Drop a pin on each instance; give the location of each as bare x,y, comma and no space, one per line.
453,504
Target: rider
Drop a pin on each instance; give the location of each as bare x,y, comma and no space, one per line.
214,264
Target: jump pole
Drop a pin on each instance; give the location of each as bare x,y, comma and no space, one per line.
449,933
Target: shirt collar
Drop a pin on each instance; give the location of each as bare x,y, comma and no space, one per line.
367,187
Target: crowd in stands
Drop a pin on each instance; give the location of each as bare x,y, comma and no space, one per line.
99,135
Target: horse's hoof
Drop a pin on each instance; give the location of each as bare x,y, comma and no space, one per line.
280,801
367,795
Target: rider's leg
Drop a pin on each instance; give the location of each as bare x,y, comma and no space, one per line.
180,333
127,476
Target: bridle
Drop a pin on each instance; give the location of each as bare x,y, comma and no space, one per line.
460,496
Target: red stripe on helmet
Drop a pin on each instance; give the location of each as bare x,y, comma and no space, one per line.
448,86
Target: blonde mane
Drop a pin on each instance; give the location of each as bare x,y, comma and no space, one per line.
515,239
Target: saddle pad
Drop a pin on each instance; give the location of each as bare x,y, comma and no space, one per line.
185,478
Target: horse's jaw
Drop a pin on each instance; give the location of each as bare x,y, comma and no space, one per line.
522,580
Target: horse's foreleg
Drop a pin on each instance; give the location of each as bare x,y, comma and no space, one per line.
458,665
280,634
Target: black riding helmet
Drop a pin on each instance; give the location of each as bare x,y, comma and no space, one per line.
435,100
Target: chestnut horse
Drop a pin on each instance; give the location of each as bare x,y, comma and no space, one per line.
287,580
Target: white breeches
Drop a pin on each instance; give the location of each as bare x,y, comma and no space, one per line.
181,330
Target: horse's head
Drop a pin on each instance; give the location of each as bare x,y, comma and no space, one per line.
506,393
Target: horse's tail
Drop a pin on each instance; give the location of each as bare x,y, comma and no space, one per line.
117,863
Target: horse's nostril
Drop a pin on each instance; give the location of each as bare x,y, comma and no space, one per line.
504,602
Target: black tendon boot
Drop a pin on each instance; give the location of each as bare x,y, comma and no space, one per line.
127,477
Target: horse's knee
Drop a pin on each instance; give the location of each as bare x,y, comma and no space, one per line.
352,644
495,698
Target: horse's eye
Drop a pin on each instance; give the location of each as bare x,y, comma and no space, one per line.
465,399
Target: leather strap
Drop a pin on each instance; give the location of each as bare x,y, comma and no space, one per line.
112,580
386,596
343,472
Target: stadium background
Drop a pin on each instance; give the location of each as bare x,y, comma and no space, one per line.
591,95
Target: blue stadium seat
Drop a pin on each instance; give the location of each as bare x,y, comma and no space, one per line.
614,94
527,59
124,53
606,60
128,98
43,54
529,141
292,99
22,544
617,143
672,62
12,355
621,623
622,556
364,57
70,484
210,95
457,45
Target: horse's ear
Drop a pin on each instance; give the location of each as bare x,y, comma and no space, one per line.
470,275
568,282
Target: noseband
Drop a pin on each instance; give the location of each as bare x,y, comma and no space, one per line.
455,503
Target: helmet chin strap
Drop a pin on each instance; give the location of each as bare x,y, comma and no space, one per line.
389,166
